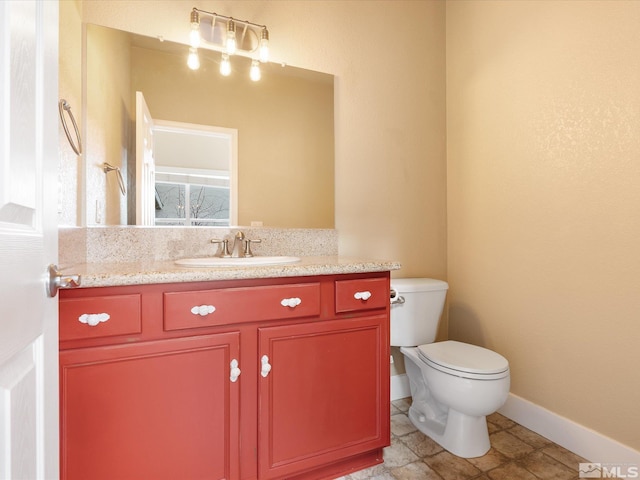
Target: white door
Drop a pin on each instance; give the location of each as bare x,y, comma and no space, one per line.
28,239
145,164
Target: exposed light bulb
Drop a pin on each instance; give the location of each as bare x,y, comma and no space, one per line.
193,61
225,65
264,45
254,73
230,44
194,37
194,34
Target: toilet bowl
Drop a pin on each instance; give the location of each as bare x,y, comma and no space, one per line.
454,385
451,401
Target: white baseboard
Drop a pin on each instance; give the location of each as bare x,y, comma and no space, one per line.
577,438
400,387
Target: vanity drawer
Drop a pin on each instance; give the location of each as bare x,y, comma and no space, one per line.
206,308
104,316
362,294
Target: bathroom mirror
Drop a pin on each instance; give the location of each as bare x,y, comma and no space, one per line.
285,138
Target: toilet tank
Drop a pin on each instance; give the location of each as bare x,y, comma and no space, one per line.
415,321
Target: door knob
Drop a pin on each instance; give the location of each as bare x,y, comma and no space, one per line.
57,280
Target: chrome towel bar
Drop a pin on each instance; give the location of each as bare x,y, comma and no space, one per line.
63,106
110,168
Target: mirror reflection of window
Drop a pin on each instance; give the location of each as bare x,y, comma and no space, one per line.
192,198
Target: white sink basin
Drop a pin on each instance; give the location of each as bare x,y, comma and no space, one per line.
235,262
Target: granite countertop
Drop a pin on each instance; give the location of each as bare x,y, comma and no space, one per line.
118,274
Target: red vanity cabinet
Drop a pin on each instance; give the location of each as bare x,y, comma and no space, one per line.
248,379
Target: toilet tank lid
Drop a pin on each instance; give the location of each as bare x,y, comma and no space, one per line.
406,285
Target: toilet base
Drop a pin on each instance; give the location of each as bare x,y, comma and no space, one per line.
462,435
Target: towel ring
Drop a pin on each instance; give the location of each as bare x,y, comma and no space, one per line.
62,106
110,168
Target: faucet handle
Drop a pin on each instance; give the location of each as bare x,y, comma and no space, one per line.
225,247
247,246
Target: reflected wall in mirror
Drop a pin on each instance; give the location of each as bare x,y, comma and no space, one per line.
285,171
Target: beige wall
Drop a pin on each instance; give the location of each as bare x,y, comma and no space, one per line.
70,88
109,111
543,136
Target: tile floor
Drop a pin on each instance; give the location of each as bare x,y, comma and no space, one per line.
516,454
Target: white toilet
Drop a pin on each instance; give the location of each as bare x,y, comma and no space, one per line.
454,385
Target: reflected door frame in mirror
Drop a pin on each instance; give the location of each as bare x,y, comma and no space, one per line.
202,138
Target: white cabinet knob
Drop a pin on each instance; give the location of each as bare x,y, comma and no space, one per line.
291,302
203,310
235,371
366,295
93,319
266,368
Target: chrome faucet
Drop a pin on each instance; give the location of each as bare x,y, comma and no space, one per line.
241,247
238,249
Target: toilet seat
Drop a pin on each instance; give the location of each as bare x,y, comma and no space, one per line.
464,360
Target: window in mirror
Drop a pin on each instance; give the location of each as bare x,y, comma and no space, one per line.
191,198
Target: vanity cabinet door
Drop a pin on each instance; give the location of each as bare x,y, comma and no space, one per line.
322,397
152,410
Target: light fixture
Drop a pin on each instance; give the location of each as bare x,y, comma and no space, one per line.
230,42
229,36
194,34
254,73
193,61
225,65
264,45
